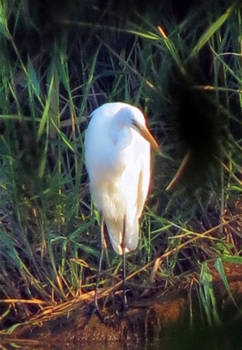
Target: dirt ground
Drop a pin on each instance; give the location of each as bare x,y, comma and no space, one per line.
73,324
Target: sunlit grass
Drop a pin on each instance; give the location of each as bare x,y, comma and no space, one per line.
49,232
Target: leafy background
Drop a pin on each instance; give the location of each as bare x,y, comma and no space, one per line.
181,62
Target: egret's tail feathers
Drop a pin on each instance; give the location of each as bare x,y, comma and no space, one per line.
115,232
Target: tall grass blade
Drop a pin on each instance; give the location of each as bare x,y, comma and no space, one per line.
220,268
45,114
207,295
211,30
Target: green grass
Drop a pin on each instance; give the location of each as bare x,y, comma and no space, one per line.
49,233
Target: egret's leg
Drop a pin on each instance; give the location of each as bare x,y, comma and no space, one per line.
125,303
103,246
104,242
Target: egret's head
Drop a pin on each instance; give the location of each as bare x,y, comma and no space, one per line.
124,115
138,123
145,133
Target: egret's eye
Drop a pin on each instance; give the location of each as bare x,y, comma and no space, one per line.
134,123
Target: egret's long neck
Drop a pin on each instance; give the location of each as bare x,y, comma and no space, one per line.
121,136
120,132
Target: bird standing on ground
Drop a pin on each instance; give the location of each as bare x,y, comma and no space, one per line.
117,158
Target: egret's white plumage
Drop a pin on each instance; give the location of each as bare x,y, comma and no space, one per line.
117,157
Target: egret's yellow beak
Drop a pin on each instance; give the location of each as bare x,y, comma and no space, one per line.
144,131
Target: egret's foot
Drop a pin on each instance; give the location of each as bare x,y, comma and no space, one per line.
106,320
94,309
125,301
99,315
124,307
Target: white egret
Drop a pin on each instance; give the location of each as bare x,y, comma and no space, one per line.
118,162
